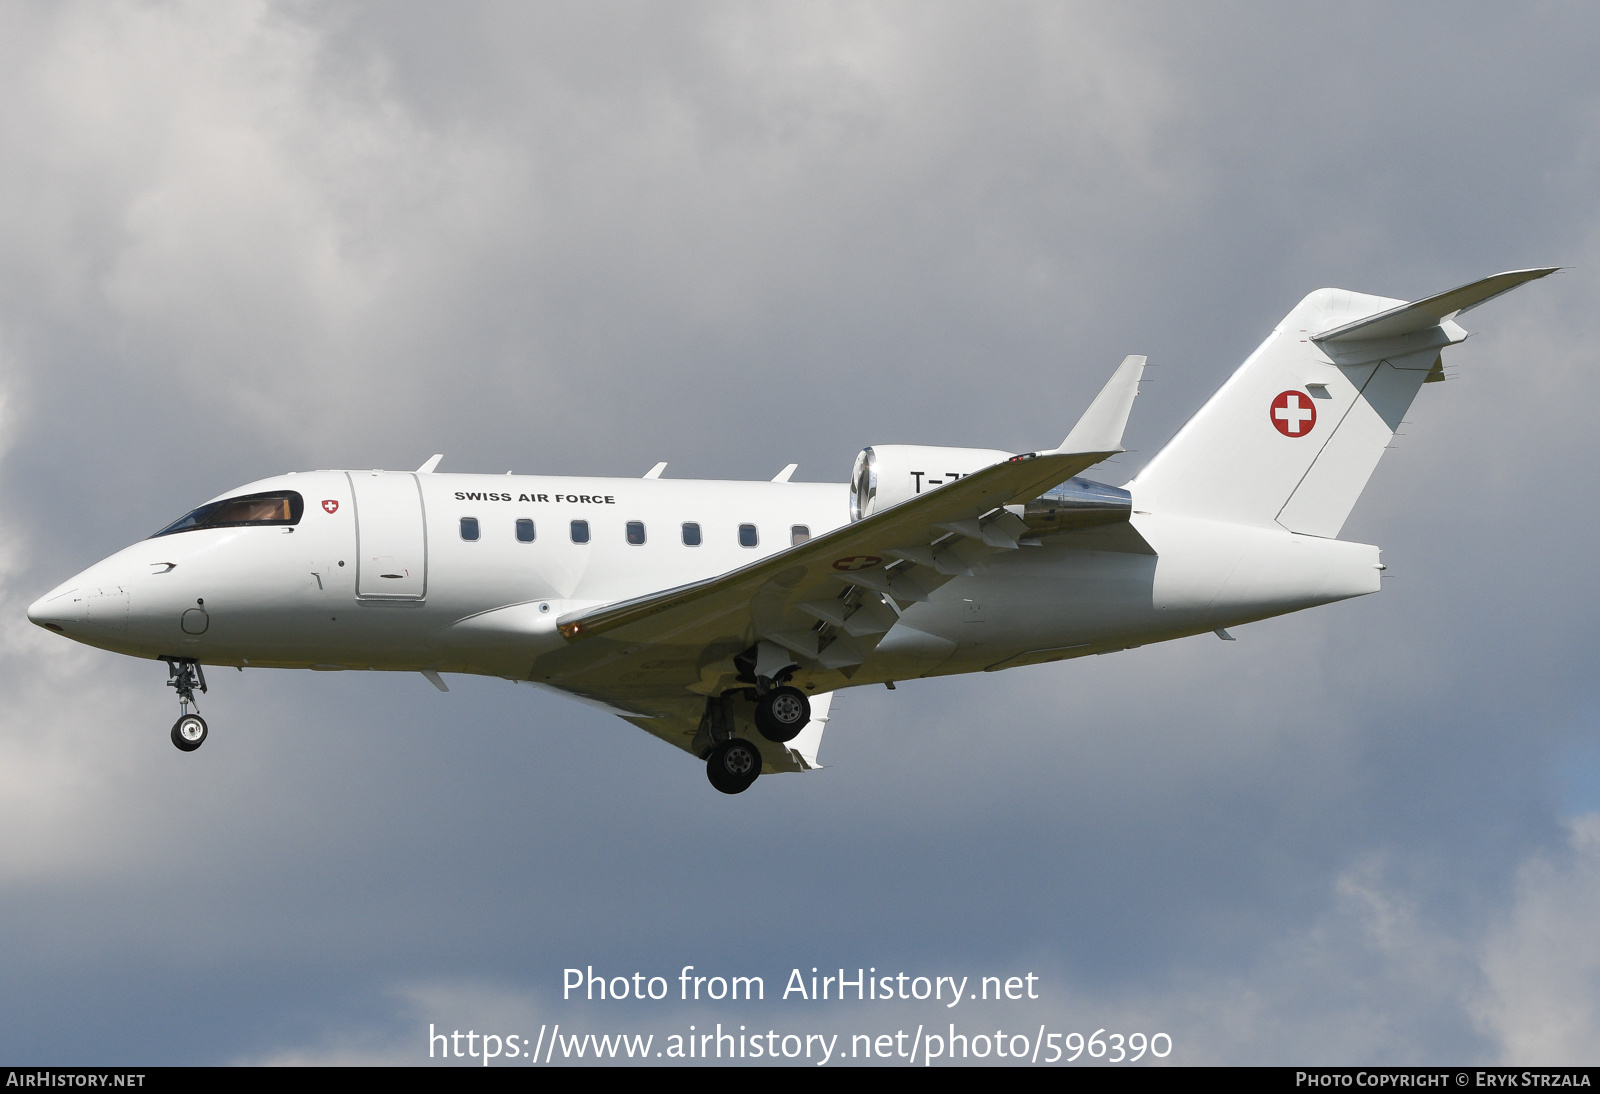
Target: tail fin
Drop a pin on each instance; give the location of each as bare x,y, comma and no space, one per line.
1295,433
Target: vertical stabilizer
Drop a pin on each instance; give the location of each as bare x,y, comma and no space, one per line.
1293,436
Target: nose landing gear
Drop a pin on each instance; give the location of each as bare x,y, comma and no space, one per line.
185,674
189,732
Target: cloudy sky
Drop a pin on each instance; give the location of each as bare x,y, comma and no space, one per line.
239,238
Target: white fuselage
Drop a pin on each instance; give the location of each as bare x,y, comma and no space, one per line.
386,580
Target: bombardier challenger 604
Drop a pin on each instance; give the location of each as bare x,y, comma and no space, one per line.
722,616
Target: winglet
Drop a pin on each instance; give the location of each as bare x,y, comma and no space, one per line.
1100,428
1425,314
783,476
655,472
433,461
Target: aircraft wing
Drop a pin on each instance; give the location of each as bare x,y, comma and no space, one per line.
822,606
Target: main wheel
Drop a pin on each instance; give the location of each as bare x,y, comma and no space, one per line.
733,765
782,713
189,732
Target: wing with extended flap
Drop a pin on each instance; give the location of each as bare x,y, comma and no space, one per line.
821,608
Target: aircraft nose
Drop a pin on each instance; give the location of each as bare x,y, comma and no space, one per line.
56,610
92,606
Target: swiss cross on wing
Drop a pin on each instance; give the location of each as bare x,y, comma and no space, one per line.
1293,415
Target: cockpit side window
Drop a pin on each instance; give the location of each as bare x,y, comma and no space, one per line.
283,507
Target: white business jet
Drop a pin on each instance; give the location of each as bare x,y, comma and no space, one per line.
722,616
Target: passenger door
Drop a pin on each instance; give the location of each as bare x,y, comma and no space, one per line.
391,535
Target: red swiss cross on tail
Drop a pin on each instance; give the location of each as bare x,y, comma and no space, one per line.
1293,415
331,506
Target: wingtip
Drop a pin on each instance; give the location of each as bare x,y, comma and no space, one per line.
1100,429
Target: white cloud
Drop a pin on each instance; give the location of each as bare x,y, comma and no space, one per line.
1372,978
424,1010
1542,1003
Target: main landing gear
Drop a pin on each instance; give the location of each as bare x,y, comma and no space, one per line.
782,713
733,762
733,765
185,674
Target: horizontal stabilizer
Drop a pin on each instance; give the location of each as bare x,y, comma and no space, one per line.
1294,435
1425,314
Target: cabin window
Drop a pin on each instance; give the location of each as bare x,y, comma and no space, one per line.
798,535
580,531
279,507
691,534
524,530
636,532
747,535
469,528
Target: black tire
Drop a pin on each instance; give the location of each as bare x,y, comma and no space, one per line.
782,713
189,732
733,765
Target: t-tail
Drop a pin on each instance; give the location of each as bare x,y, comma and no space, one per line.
1292,438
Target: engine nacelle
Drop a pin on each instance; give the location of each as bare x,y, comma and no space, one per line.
888,474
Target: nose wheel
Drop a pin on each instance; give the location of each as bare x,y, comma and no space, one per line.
189,732
185,675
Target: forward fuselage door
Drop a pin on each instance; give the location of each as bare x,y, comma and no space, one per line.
391,536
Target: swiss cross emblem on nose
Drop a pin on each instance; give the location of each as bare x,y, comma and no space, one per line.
1293,414
331,506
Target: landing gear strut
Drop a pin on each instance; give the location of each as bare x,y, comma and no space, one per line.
185,674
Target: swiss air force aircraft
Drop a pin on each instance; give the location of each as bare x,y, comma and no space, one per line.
722,616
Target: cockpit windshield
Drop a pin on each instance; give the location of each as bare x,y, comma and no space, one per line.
278,507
